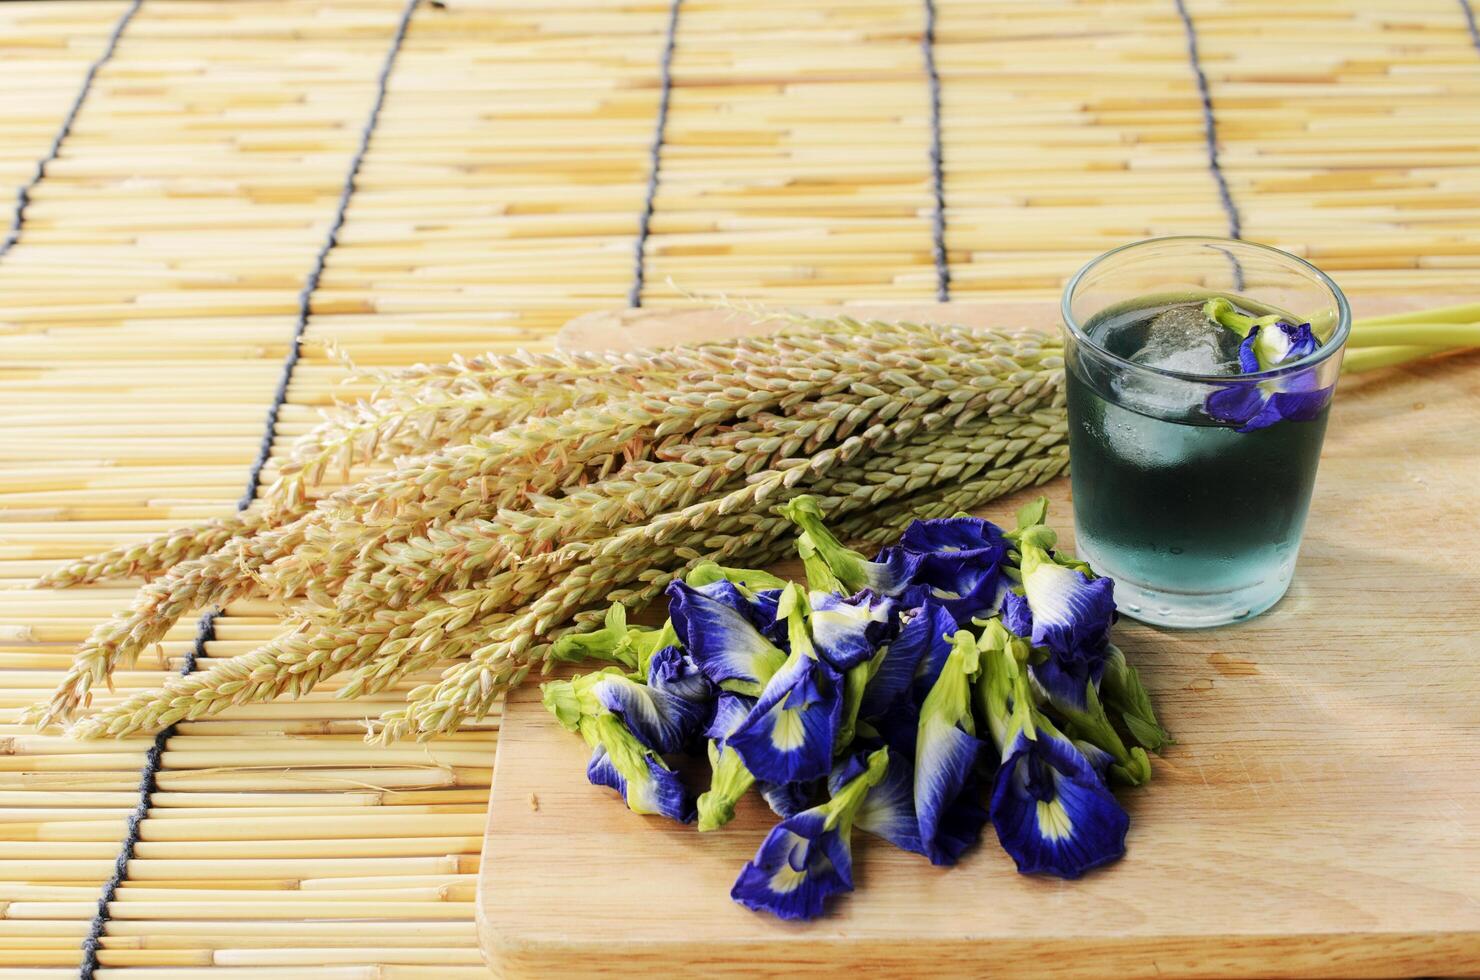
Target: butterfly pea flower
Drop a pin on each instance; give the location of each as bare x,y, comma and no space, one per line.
831,567
1268,342
849,633
1016,615
947,749
1087,721
726,646
848,630
1051,809
674,672
1297,396
1123,694
789,734
1073,656
662,721
613,643
808,857
786,799
1070,684
729,779
572,701
958,562
888,811
751,592
920,648
1274,344
1071,610
621,762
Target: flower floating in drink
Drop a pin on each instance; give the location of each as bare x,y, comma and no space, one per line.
964,675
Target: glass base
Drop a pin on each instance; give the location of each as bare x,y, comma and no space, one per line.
1189,610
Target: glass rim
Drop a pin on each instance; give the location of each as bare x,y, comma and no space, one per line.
1334,344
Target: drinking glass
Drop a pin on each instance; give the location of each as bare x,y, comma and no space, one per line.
1196,511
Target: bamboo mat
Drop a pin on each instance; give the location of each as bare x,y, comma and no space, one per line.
150,300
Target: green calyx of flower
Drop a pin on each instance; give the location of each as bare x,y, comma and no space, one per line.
1093,725
1002,689
648,642
854,682
794,607
626,754
1033,549
748,580
615,643
610,644
1224,313
949,700
829,565
729,781
843,806
1123,693
572,702
1030,527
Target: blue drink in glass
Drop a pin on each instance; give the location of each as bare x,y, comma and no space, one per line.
1195,510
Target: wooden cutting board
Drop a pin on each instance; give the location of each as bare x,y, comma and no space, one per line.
1318,815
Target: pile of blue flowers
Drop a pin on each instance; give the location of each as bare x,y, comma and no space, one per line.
964,675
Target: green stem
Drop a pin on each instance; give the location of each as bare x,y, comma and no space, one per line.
1465,313
1372,358
1424,334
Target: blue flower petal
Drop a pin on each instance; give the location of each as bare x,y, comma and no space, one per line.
788,799
899,727
967,584
1065,681
1100,760
758,607
952,534
889,809
960,563
1016,615
891,572
661,721
788,736
674,672
1248,361
729,711
924,639
1275,344
798,866
1303,342
934,660
945,760
660,792
1052,811
1298,397
847,631
1300,406
1070,610
1236,403
722,641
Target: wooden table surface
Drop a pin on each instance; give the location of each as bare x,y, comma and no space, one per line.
1319,813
